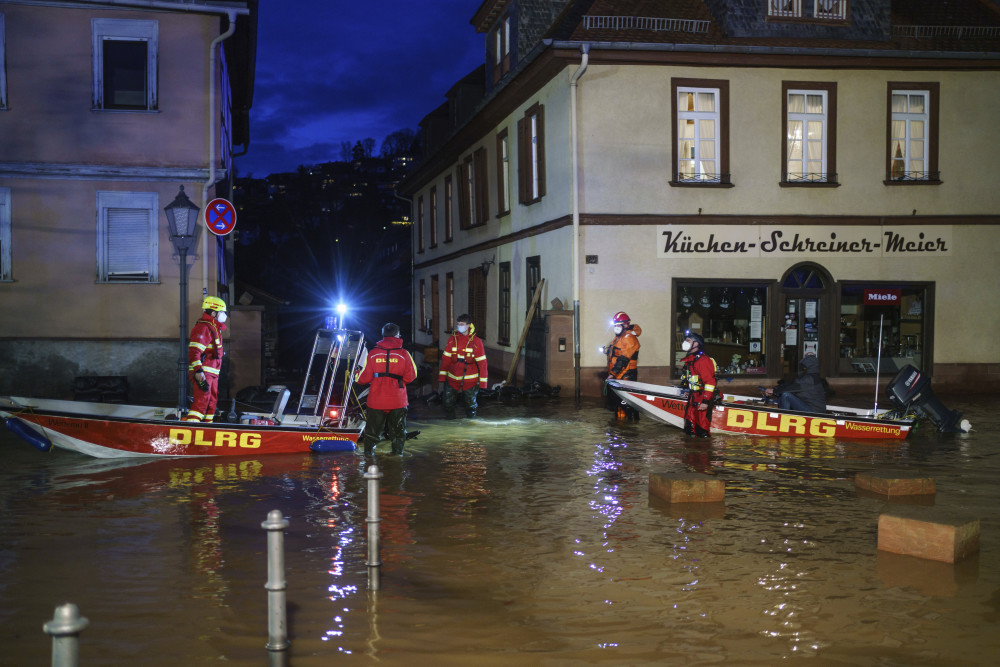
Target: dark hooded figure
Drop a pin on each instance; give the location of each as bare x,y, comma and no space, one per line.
807,392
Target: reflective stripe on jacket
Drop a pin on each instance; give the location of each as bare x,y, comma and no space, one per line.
205,346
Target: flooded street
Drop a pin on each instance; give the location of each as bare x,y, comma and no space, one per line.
526,536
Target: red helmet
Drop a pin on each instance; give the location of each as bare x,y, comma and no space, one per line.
621,317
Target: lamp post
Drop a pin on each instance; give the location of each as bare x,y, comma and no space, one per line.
182,220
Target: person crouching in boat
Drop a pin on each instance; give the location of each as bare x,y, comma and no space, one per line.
205,359
807,392
698,377
623,362
387,370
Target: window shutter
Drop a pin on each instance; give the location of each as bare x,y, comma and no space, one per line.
128,243
540,131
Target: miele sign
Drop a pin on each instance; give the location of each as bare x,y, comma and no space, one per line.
678,241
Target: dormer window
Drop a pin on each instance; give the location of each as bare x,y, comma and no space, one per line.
501,48
825,10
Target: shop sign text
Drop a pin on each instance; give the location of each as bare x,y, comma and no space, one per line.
678,241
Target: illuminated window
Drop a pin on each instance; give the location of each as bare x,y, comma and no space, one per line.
913,133
808,153
701,120
503,173
449,213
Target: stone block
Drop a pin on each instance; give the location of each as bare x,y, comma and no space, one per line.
686,488
931,533
895,484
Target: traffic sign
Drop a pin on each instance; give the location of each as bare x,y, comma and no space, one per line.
220,216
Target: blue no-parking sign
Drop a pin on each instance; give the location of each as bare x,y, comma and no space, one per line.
220,216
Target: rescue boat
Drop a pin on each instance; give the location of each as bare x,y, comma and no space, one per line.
909,392
327,417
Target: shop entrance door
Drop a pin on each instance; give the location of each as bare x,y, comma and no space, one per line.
801,331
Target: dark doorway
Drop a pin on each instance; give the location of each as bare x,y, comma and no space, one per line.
534,342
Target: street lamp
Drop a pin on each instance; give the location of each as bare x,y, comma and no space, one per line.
182,220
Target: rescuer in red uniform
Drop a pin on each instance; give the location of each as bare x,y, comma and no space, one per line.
698,377
623,361
463,368
387,370
205,359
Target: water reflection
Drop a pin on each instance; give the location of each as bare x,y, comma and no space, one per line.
527,535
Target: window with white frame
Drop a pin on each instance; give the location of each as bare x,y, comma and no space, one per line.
6,273
3,64
125,64
449,211
809,115
127,240
531,155
432,219
784,8
503,173
698,134
501,48
912,132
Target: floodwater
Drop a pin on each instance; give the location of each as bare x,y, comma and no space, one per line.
526,536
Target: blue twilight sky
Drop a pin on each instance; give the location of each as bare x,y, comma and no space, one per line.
330,71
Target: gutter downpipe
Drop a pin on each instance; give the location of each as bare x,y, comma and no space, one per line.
575,203
211,140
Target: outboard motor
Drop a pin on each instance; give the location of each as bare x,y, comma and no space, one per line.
911,390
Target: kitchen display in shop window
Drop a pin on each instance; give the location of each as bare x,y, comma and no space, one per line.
732,319
887,320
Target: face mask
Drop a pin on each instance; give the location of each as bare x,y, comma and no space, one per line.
222,318
618,329
462,328
686,346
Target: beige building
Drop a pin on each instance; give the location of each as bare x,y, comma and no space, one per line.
107,111
781,177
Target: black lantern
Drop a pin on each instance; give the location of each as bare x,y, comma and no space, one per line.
182,221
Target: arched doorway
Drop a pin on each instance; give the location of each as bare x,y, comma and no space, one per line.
806,296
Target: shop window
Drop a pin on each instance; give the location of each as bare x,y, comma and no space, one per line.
883,326
732,318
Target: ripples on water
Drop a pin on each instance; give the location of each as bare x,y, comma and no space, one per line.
525,536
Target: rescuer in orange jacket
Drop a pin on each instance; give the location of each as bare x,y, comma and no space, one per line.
387,370
463,368
698,377
205,359
623,361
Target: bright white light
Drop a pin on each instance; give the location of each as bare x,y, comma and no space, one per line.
341,308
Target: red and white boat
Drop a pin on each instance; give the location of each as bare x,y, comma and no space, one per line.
323,419
909,391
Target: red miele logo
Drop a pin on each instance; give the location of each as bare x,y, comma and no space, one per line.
883,296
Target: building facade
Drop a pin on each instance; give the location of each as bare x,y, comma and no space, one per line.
108,110
781,177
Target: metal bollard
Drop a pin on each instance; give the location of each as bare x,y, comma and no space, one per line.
65,628
374,547
277,626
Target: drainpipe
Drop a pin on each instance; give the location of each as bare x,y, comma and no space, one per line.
575,203
211,141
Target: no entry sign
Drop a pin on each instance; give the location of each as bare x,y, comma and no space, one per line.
220,216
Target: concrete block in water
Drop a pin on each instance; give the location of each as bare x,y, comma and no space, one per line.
895,485
686,488
934,534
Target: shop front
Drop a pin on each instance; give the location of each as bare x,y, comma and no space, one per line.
761,328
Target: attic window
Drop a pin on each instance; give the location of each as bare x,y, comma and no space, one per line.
826,10
644,23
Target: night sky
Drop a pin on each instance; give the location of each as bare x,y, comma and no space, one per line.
330,71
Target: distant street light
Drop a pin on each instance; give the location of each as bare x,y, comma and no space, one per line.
182,220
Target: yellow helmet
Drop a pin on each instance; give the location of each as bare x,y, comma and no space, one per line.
213,303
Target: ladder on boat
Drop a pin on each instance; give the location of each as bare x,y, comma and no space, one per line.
326,389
